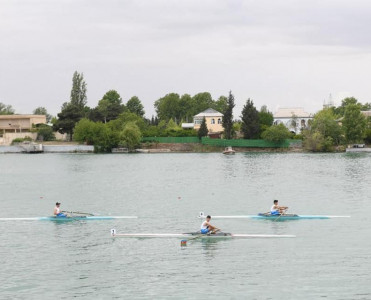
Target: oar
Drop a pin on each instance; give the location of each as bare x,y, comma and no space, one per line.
280,215
77,212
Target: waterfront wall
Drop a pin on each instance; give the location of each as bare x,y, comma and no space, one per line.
8,137
51,149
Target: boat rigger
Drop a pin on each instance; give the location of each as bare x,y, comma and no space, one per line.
71,218
282,217
218,235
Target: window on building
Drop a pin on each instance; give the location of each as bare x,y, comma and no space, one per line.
219,121
212,121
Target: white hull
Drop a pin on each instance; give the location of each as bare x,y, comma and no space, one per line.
202,236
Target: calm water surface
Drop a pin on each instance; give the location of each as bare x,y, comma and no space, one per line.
329,259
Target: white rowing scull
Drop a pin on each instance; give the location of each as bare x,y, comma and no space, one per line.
267,216
69,218
220,235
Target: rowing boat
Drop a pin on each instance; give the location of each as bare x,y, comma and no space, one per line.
218,235
71,218
268,216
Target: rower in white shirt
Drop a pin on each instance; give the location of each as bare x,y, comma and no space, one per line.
57,211
276,209
206,227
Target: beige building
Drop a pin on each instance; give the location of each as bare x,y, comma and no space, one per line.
19,123
213,120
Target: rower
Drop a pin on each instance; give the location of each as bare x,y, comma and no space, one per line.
276,209
206,227
57,211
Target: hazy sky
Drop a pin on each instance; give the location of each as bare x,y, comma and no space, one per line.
279,53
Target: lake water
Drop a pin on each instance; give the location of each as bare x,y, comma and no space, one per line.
328,259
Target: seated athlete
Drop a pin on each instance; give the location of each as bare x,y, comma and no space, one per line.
276,209
57,211
206,227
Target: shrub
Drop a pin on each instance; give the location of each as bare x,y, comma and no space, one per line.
21,140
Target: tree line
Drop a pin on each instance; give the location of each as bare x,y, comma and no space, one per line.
112,123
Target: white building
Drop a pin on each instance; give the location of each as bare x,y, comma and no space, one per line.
295,118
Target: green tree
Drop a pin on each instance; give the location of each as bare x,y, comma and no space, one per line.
228,117
67,119
131,135
126,117
109,107
201,102
186,108
135,106
325,122
314,141
203,131
221,104
6,109
168,107
42,111
78,92
294,123
265,119
73,111
85,132
276,133
45,133
250,121
96,133
354,123
340,110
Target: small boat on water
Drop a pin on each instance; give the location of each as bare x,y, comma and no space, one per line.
197,234
229,150
268,216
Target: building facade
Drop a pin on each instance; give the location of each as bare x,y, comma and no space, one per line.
295,119
213,120
19,123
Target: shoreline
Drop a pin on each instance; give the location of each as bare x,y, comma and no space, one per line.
73,147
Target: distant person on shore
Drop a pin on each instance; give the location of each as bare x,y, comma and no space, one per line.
57,211
206,227
278,210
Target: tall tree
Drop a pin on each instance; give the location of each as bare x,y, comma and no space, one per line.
67,119
186,108
221,104
6,109
42,111
228,117
135,106
78,92
265,119
203,131
168,107
250,121
201,102
354,123
76,109
110,106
